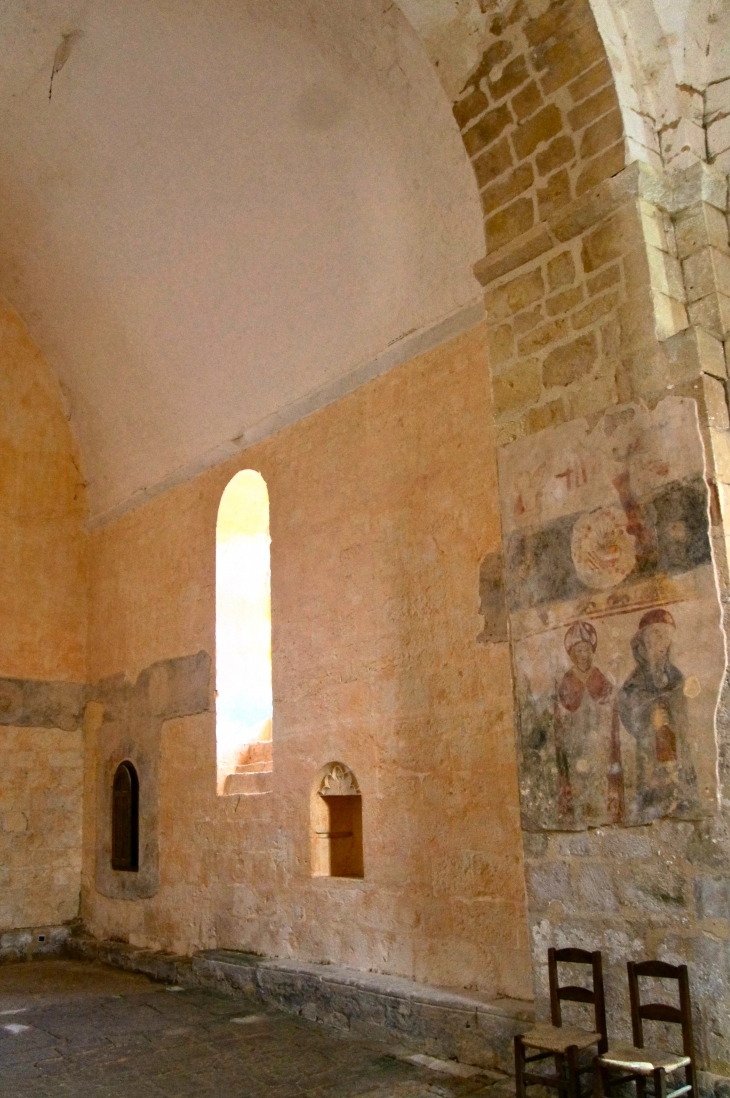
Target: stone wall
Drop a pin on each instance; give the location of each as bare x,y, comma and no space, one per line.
539,117
607,307
382,507
42,641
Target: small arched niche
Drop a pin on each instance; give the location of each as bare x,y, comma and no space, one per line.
125,819
336,814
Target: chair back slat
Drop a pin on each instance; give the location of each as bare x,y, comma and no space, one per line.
661,1012
574,956
572,993
577,994
658,969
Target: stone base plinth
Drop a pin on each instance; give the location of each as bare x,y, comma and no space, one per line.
441,1022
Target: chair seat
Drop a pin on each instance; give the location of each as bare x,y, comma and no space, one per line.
642,1061
559,1038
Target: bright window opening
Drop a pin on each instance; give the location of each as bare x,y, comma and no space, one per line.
243,636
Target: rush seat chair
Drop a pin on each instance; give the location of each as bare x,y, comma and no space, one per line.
639,1063
560,1042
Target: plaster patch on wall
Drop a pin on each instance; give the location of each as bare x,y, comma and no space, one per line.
615,619
124,722
33,703
492,602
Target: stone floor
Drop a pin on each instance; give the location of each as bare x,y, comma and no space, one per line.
83,1030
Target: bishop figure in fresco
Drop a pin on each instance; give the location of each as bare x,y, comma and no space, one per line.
587,743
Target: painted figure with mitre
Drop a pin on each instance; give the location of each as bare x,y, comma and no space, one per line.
587,743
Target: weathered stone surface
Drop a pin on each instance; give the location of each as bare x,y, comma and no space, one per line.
700,226
706,271
504,190
607,164
41,780
352,509
526,101
492,603
124,722
561,271
33,943
463,1025
692,352
554,195
510,222
29,703
42,640
569,362
535,243
85,1029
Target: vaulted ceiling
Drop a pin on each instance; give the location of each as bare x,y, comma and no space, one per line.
218,208
215,212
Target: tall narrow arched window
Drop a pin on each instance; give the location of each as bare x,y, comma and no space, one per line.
125,819
243,636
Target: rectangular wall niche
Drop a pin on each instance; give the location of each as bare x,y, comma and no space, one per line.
337,849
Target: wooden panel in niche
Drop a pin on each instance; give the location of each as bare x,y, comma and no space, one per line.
125,819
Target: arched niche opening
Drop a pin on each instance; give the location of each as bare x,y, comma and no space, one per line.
244,705
125,819
336,813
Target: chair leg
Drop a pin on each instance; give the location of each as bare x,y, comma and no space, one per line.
573,1073
520,1088
598,1087
660,1083
640,1086
606,1083
560,1072
689,1076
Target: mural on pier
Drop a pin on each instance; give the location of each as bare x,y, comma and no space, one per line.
614,618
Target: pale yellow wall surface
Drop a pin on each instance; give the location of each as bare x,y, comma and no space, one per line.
43,615
42,508
382,507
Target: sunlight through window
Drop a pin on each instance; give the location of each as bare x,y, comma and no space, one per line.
243,635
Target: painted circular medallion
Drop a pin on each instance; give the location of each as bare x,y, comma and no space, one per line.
602,548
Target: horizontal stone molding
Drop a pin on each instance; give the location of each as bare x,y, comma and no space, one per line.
399,351
670,192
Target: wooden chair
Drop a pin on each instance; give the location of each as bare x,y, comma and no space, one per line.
563,1043
640,1063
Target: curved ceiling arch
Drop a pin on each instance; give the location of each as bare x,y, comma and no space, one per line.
670,61
214,208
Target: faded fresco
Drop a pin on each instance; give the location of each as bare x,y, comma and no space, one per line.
615,619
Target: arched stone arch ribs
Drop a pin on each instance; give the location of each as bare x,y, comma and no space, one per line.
669,62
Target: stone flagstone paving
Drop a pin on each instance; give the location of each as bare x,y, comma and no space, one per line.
86,1031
